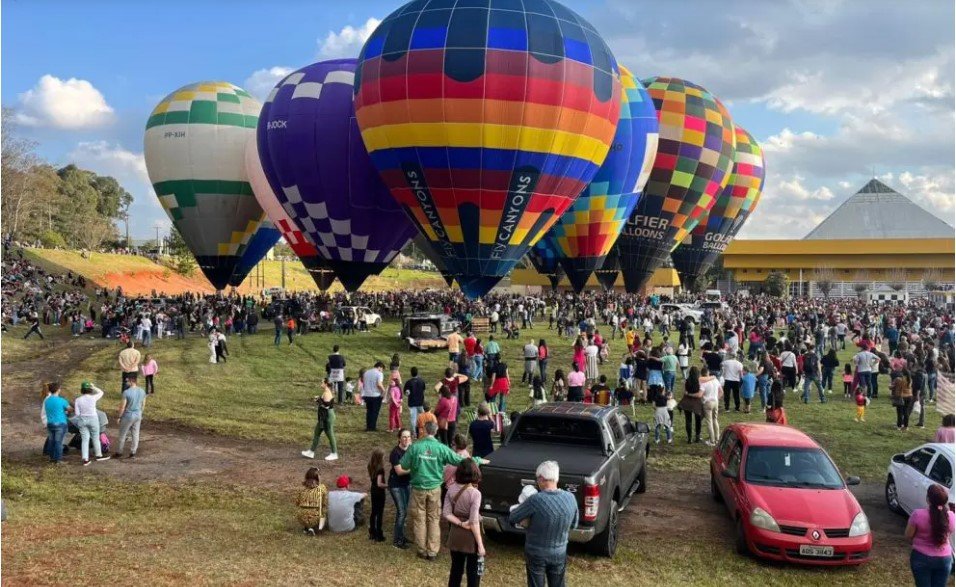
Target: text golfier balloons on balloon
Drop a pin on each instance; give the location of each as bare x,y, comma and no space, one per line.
695,154
486,122
587,230
300,244
318,167
694,256
194,147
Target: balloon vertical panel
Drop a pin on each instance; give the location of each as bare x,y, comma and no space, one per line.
486,123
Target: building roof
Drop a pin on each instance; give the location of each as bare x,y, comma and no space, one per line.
877,211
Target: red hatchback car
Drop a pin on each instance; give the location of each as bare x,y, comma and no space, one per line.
787,498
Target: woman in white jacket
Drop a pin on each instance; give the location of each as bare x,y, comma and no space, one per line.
88,421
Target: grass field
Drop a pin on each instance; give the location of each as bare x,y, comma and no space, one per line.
102,529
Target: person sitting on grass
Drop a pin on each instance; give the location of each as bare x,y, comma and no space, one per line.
346,511
313,503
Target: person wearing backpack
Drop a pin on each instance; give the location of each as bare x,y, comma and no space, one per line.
811,374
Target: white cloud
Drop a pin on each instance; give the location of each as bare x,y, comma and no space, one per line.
261,82
110,159
348,41
67,104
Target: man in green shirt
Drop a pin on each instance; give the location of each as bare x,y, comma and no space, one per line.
425,462
492,353
670,370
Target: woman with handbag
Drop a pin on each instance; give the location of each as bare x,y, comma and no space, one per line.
901,393
692,404
461,510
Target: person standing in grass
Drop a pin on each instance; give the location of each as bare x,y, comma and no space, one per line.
377,485
860,404
930,530
481,430
372,392
130,417
149,369
55,408
394,406
461,511
711,394
415,390
128,361
278,322
335,367
88,421
748,388
313,503
398,487
424,462
325,422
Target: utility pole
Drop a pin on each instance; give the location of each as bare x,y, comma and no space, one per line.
126,222
283,272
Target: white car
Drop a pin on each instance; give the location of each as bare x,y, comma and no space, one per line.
911,473
361,314
684,312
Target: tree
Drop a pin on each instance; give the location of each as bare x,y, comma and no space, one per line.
50,239
777,283
861,282
175,244
896,279
185,264
29,190
931,279
825,278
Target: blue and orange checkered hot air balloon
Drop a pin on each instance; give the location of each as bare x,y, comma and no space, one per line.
545,258
486,120
694,256
588,229
695,153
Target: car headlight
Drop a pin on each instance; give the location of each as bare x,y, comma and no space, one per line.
860,525
762,519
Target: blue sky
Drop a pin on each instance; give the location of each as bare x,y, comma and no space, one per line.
832,89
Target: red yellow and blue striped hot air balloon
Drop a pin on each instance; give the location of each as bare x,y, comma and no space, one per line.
694,256
587,230
486,120
695,153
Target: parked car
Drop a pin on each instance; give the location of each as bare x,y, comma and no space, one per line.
426,332
787,498
603,460
911,473
684,312
361,316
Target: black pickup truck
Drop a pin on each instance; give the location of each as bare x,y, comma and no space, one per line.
602,455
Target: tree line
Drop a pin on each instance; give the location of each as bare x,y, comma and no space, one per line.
65,207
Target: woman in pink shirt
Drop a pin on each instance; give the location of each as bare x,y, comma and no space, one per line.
578,352
394,406
946,433
446,412
576,380
149,369
930,529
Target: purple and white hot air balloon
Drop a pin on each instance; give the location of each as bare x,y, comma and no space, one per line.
313,155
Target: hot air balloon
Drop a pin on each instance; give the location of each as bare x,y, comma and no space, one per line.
318,167
194,147
694,256
695,153
264,238
486,123
588,229
545,259
607,273
749,151
317,267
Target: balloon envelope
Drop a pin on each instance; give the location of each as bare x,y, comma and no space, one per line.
545,259
694,158
193,148
607,273
486,122
694,256
588,229
261,241
317,165
299,243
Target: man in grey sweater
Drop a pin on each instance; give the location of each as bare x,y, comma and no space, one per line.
549,516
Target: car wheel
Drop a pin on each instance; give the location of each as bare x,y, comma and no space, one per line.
892,495
714,492
378,322
642,480
605,543
740,539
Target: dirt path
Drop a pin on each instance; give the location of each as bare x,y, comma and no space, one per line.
675,500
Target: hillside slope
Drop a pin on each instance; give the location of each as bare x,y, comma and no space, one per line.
141,276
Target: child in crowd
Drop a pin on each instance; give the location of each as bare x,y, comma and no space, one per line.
313,503
537,391
376,475
394,406
149,368
425,417
775,412
847,381
861,401
623,394
624,372
662,419
350,388
748,387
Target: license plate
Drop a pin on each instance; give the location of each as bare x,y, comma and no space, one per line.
811,550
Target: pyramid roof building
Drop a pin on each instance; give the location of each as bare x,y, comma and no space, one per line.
877,211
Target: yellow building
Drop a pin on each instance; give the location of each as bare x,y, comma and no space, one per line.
664,281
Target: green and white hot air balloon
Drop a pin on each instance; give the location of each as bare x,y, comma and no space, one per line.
194,148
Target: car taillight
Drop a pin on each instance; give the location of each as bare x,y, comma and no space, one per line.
592,500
